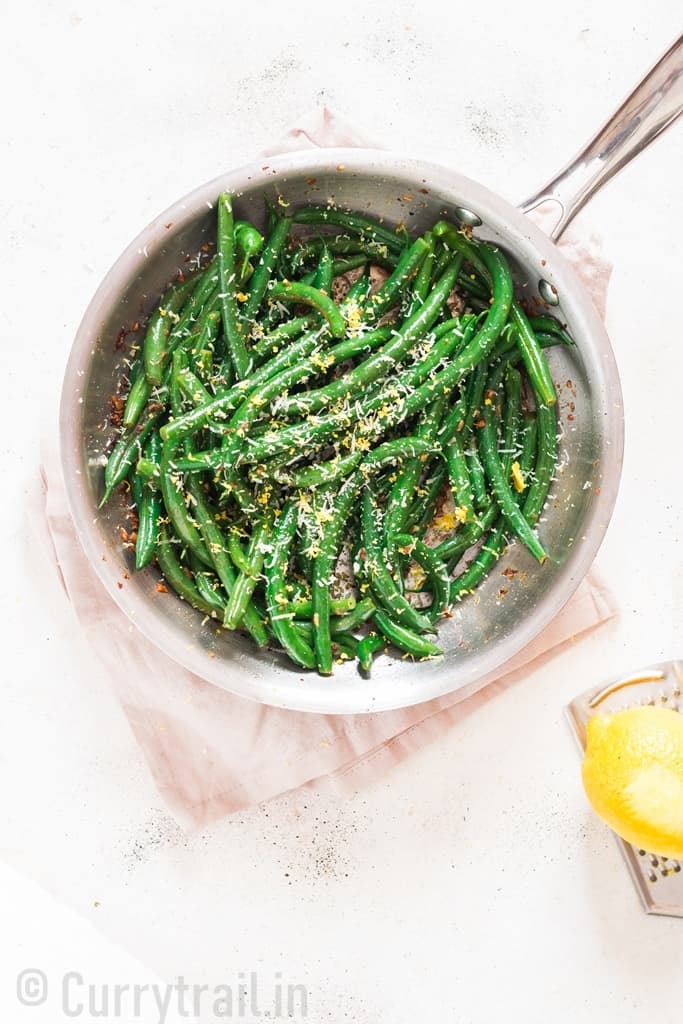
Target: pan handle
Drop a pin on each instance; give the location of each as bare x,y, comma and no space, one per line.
653,105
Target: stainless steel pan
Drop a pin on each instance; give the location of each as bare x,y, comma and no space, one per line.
491,627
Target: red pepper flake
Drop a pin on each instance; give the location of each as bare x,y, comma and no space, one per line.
510,573
117,407
162,588
502,592
169,225
119,585
424,191
543,262
120,339
311,181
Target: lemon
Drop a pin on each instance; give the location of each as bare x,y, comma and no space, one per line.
633,776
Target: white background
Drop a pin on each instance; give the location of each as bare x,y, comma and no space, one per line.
472,884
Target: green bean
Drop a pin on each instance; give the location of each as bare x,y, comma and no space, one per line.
405,639
488,447
341,267
311,477
275,568
549,325
154,346
387,294
179,362
209,587
325,560
263,272
454,547
199,462
368,646
435,570
421,513
149,508
535,361
474,397
220,560
383,586
423,278
136,400
545,463
532,354
460,482
357,616
176,507
364,226
176,577
233,328
146,469
307,295
248,241
191,386
400,496
124,453
346,644
246,582
475,471
236,551
356,295
204,299
322,279
205,337
270,344
496,542
511,418
302,608
343,245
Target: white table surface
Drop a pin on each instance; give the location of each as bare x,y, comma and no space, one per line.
472,884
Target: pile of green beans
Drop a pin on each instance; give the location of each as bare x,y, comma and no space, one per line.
333,475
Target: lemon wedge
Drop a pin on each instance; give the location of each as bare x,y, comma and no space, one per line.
633,776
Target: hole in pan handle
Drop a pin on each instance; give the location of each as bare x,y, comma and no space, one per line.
654,104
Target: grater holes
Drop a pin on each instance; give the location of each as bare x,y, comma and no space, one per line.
660,867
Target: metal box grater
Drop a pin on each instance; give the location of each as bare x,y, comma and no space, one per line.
659,880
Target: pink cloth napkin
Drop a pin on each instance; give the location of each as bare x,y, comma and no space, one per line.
212,753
